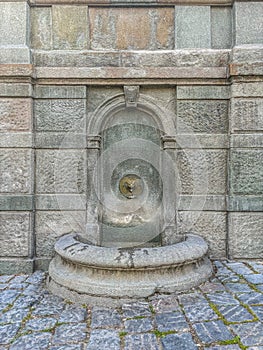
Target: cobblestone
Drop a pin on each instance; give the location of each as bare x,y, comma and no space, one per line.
228,306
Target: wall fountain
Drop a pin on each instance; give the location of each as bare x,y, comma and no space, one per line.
130,249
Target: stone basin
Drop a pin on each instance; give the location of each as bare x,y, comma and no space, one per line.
99,275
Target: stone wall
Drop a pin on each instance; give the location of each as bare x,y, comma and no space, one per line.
61,60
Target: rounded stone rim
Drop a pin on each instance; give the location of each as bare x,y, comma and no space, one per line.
69,248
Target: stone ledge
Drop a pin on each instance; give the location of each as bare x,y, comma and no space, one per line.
130,2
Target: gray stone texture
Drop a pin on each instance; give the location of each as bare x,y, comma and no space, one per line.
70,27
247,114
210,332
210,225
245,229
141,341
248,22
15,114
50,225
192,27
15,231
221,27
182,341
41,25
15,175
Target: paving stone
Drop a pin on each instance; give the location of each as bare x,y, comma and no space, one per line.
24,302
13,315
49,305
250,333
3,286
102,317
178,341
231,278
255,279
70,333
237,288
171,321
33,289
136,309
224,347
8,296
20,286
37,277
191,298
165,303
239,268
222,299
209,332
252,298
235,313
258,311
104,339
260,287
209,287
36,341
40,324
255,266
19,279
5,278
7,332
73,313
138,325
255,348
199,312
141,342
66,347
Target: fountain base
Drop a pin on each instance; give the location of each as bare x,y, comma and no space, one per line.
98,275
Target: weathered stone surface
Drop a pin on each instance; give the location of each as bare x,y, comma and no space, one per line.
15,175
192,298
247,89
40,324
32,341
182,341
252,298
246,176
73,314
202,171
245,203
156,24
199,203
202,116
141,341
211,226
14,202
15,90
15,232
171,321
14,55
192,27
53,91
235,313
105,317
60,115
199,312
7,332
60,202
250,333
60,140
69,333
222,299
245,235
60,171
248,22
204,92
166,98
99,95
104,339
13,26
53,224
136,309
212,331
41,26
138,325
12,265
202,141
246,140
70,27
221,27
247,114
15,114
16,140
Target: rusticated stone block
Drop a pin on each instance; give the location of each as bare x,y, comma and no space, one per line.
202,171
15,231
21,203
15,114
248,22
15,174
16,265
210,225
13,24
206,92
41,25
246,175
60,115
54,91
248,89
247,114
192,27
70,27
53,224
202,116
245,235
60,171
131,28
15,140
15,90
221,27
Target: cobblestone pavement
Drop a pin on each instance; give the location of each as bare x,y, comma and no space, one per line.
222,314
